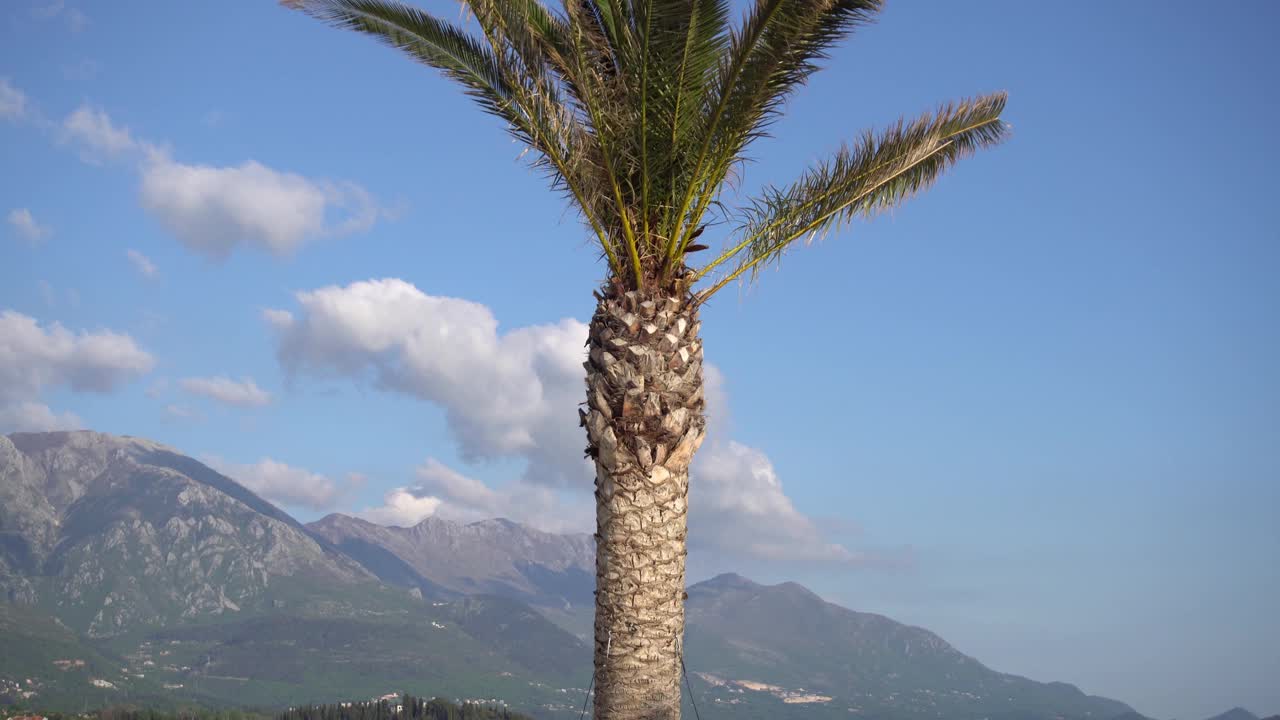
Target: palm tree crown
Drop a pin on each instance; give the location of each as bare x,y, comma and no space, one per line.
639,110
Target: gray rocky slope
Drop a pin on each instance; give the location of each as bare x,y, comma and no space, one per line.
496,557
129,545
115,532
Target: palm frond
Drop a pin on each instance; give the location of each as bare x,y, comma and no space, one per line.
641,111
686,40
424,38
778,47
874,174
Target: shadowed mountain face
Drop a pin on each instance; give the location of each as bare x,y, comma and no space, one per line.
130,571
742,635
494,557
117,532
125,562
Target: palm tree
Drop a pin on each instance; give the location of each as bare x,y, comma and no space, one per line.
638,111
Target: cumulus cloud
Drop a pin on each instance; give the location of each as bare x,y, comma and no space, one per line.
514,393
13,102
444,492
29,416
505,394
25,224
34,359
737,503
142,263
281,483
212,210
97,136
241,393
401,508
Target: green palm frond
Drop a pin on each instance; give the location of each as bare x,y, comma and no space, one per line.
424,38
497,79
776,50
874,174
684,43
641,111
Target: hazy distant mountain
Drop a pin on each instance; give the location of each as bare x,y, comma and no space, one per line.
496,557
741,634
1236,713
129,571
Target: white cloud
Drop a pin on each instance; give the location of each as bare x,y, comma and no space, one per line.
401,508
508,394
98,137
13,102
241,393
737,505
212,210
29,416
281,483
215,209
452,495
142,263
514,394
33,358
26,225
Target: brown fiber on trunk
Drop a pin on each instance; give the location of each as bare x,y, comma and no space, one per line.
644,421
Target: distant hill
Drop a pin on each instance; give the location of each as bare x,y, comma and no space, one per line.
495,557
1236,713
129,571
742,635
114,533
132,573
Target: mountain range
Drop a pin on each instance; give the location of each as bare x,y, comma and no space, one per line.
130,572
490,557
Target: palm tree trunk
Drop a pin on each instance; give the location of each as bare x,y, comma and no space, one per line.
644,422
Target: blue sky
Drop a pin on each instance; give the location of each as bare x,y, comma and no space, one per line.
1036,410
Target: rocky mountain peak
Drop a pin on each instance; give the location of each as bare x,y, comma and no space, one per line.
120,531
1236,713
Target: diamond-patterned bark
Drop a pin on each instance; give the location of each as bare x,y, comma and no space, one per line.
644,421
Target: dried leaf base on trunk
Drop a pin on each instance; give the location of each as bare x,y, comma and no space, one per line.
644,421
